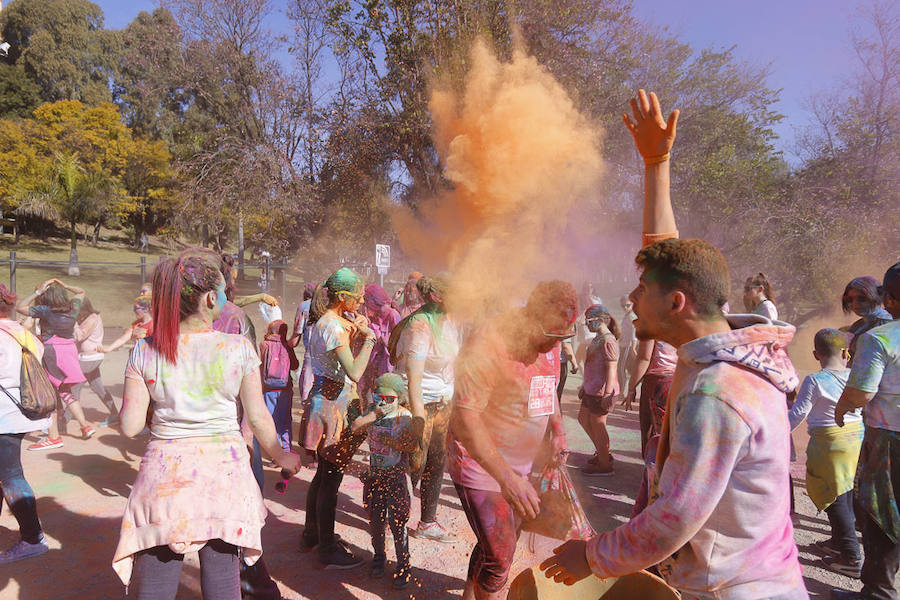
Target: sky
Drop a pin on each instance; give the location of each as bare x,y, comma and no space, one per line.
806,43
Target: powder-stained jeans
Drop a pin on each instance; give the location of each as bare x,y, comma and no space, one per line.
843,526
429,459
157,572
279,404
386,497
496,526
18,494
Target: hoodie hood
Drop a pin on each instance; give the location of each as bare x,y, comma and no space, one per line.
755,343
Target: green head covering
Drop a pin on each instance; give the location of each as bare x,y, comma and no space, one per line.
344,280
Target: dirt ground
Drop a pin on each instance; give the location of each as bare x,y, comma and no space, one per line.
82,488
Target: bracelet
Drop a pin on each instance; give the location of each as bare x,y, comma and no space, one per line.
655,160
651,238
369,340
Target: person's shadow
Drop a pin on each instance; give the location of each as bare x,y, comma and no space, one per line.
109,477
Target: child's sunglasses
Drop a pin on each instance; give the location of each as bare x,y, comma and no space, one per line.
384,399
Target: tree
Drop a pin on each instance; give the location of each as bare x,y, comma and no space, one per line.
62,46
19,93
78,197
839,216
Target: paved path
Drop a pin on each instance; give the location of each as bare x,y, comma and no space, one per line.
83,486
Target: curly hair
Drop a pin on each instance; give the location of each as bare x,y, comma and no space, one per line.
553,297
692,266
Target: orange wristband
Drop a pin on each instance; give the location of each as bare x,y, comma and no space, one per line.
655,160
651,238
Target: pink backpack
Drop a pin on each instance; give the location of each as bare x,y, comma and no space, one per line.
276,366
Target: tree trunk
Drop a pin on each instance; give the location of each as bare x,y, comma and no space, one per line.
204,235
74,271
96,237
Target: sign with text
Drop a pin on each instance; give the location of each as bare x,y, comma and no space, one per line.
382,256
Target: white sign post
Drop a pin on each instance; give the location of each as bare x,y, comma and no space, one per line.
382,260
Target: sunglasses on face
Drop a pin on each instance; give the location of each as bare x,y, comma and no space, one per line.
559,335
384,399
353,295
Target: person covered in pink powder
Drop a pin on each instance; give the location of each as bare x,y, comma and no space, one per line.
718,523
194,490
382,319
412,297
504,404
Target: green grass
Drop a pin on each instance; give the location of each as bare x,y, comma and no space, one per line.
112,288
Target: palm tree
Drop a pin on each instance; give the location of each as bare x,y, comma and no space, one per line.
76,196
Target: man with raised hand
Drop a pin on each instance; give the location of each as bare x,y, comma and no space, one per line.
718,525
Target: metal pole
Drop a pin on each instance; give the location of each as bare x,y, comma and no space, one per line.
268,281
143,270
283,279
12,271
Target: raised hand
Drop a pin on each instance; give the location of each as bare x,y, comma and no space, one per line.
652,134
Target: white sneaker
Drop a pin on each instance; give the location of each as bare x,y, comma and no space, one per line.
24,550
433,531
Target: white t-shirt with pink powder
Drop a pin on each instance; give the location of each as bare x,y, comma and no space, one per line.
197,396
515,402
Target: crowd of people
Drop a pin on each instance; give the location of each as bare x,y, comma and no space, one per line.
716,393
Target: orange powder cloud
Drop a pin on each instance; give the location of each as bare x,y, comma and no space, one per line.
520,157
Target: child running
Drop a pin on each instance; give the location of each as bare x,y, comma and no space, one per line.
833,452
278,360
600,388
386,494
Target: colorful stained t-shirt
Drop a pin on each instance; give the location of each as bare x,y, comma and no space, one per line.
876,368
231,319
382,456
663,360
199,394
59,324
818,395
515,402
329,333
437,348
602,350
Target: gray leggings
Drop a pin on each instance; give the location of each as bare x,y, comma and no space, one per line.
91,370
157,572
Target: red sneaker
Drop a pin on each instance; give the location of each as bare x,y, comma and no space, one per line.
46,444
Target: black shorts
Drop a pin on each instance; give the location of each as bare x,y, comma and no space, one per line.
597,405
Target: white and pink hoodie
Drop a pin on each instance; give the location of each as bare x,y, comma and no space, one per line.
720,525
